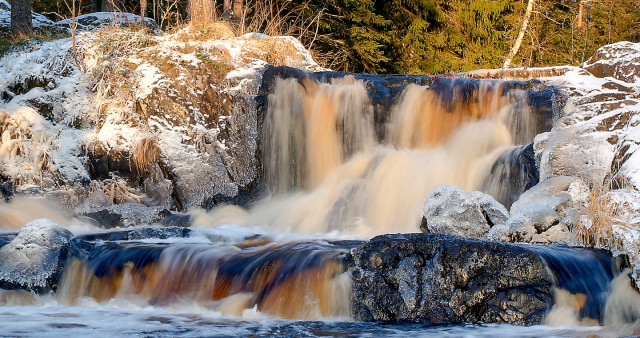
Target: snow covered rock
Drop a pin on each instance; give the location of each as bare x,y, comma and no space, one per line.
543,213
451,210
620,60
35,258
98,20
626,161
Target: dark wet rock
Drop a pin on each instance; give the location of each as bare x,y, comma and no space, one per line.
436,278
137,234
620,60
6,188
6,239
104,163
106,219
35,258
176,220
451,210
513,173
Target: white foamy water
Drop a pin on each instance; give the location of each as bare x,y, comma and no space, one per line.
54,320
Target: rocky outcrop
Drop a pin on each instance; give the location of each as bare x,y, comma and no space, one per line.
451,210
35,259
619,60
6,188
446,279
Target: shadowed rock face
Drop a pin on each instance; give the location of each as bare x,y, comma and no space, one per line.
437,278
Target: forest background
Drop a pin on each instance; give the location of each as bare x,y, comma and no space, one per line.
404,36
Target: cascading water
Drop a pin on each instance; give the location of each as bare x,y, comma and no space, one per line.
296,280
326,170
311,128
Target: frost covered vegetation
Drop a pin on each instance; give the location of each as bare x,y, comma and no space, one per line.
133,111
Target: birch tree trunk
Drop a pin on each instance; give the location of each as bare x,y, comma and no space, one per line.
516,46
21,17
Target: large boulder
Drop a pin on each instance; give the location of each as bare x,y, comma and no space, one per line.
620,60
35,258
451,210
437,278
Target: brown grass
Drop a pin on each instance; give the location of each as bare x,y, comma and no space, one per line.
145,154
595,226
203,32
275,51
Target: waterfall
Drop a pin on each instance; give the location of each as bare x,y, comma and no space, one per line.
327,171
311,128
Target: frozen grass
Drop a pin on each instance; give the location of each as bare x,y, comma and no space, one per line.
595,225
145,154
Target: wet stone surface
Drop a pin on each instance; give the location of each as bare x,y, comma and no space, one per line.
435,278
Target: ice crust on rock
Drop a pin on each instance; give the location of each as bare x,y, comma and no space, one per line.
35,257
451,210
543,213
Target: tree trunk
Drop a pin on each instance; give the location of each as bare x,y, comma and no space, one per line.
143,10
238,7
226,9
238,15
21,17
94,6
516,46
201,11
112,5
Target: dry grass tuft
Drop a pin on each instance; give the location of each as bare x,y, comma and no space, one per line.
145,154
595,226
275,51
203,32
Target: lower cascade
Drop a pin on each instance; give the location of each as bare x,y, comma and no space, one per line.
423,278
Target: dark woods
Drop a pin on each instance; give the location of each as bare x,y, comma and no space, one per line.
402,36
